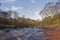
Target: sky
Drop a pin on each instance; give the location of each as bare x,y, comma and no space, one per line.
28,8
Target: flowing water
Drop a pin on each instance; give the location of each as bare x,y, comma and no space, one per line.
22,34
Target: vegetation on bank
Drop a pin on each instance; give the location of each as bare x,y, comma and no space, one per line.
47,22
6,21
51,22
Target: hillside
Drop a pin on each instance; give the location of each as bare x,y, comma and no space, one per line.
50,15
51,22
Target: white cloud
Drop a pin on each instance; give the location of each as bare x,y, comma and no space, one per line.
36,15
7,0
14,8
32,14
33,1
10,0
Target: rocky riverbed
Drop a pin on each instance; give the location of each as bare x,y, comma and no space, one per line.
23,34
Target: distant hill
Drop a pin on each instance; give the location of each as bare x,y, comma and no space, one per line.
50,15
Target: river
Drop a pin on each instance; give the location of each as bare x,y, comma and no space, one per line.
23,34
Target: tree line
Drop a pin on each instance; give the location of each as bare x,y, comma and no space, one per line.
7,21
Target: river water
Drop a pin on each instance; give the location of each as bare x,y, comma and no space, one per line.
23,34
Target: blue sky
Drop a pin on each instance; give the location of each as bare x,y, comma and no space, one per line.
28,8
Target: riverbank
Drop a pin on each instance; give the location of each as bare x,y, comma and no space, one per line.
53,35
